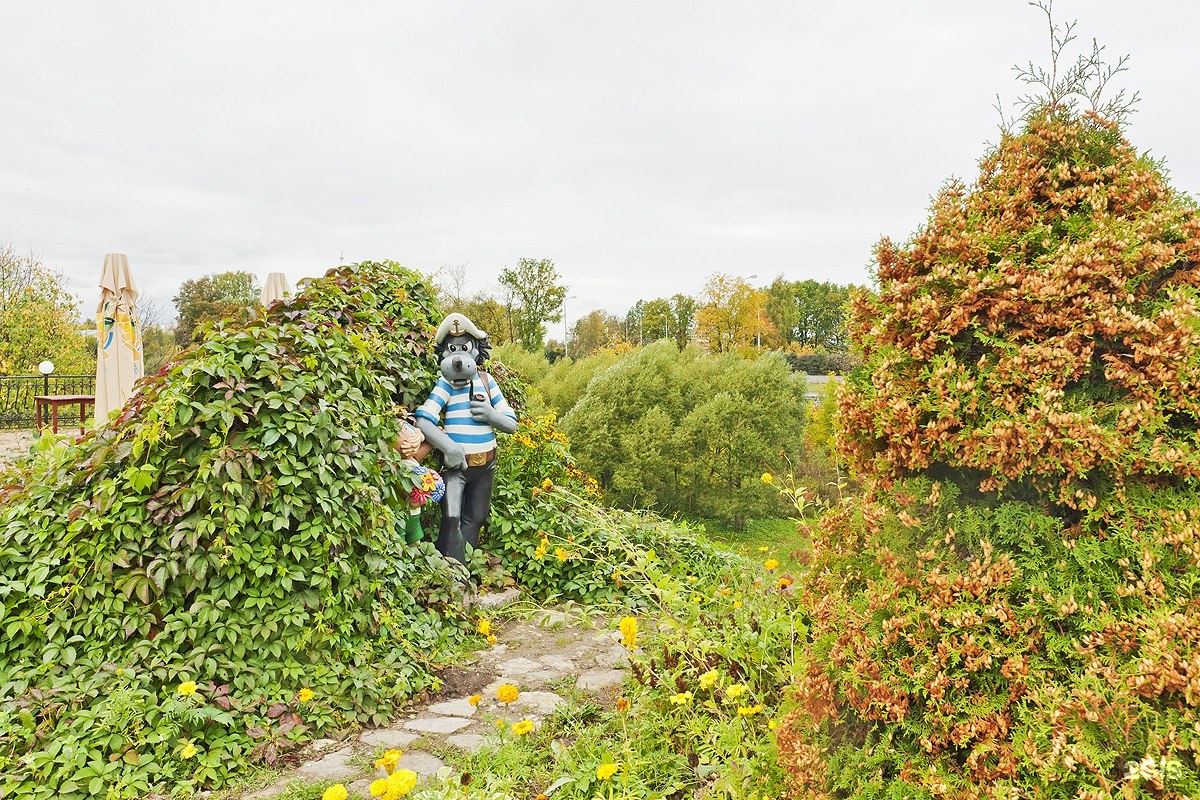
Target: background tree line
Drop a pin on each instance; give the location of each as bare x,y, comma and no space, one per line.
803,319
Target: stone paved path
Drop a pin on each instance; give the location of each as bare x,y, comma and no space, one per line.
540,656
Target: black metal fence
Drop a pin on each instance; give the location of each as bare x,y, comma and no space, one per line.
17,393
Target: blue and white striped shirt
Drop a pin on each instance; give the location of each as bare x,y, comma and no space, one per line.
455,404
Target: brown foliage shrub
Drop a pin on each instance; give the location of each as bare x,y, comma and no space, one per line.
1034,351
1040,333
969,652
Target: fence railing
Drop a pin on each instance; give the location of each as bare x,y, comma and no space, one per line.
17,393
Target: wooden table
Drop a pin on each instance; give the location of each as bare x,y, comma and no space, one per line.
56,400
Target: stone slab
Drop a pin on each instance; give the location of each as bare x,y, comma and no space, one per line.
421,763
595,680
321,745
612,657
453,708
496,600
465,741
437,724
538,703
557,662
360,788
388,737
332,767
519,667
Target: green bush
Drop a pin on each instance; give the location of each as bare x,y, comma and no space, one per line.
683,433
567,380
551,535
231,535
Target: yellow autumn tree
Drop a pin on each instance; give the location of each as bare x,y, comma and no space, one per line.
732,315
39,319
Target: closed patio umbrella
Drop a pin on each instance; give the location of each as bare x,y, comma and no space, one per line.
275,288
119,334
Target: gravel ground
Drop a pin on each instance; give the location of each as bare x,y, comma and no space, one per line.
14,444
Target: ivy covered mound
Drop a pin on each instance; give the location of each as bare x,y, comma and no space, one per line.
1013,610
214,576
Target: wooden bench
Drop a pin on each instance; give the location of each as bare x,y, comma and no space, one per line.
54,401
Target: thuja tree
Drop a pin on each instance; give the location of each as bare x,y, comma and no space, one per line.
213,577
1039,336
1012,610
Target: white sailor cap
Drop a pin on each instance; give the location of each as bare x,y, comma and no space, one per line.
458,325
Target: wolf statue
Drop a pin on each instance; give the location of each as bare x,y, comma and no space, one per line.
460,419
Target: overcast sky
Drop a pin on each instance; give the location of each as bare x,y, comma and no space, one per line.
640,145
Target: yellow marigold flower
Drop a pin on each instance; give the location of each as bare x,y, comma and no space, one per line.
681,699
735,691
335,792
622,705
709,679
547,484
772,724
785,582
629,631
491,638
187,688
737,603
771,565
475,699
188,750
507,693
483,626
604,772
403,781
394,786
523,727
763,549
305,694
560,554
749,711
768,478
390,760
500,723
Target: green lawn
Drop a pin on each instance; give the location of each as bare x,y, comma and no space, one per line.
779,536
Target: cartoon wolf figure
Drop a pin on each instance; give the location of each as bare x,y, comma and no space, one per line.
471,408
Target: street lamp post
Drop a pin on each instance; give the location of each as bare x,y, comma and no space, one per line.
566,332
757,322
46,367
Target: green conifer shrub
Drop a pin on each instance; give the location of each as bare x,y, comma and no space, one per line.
213,577
1013,609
